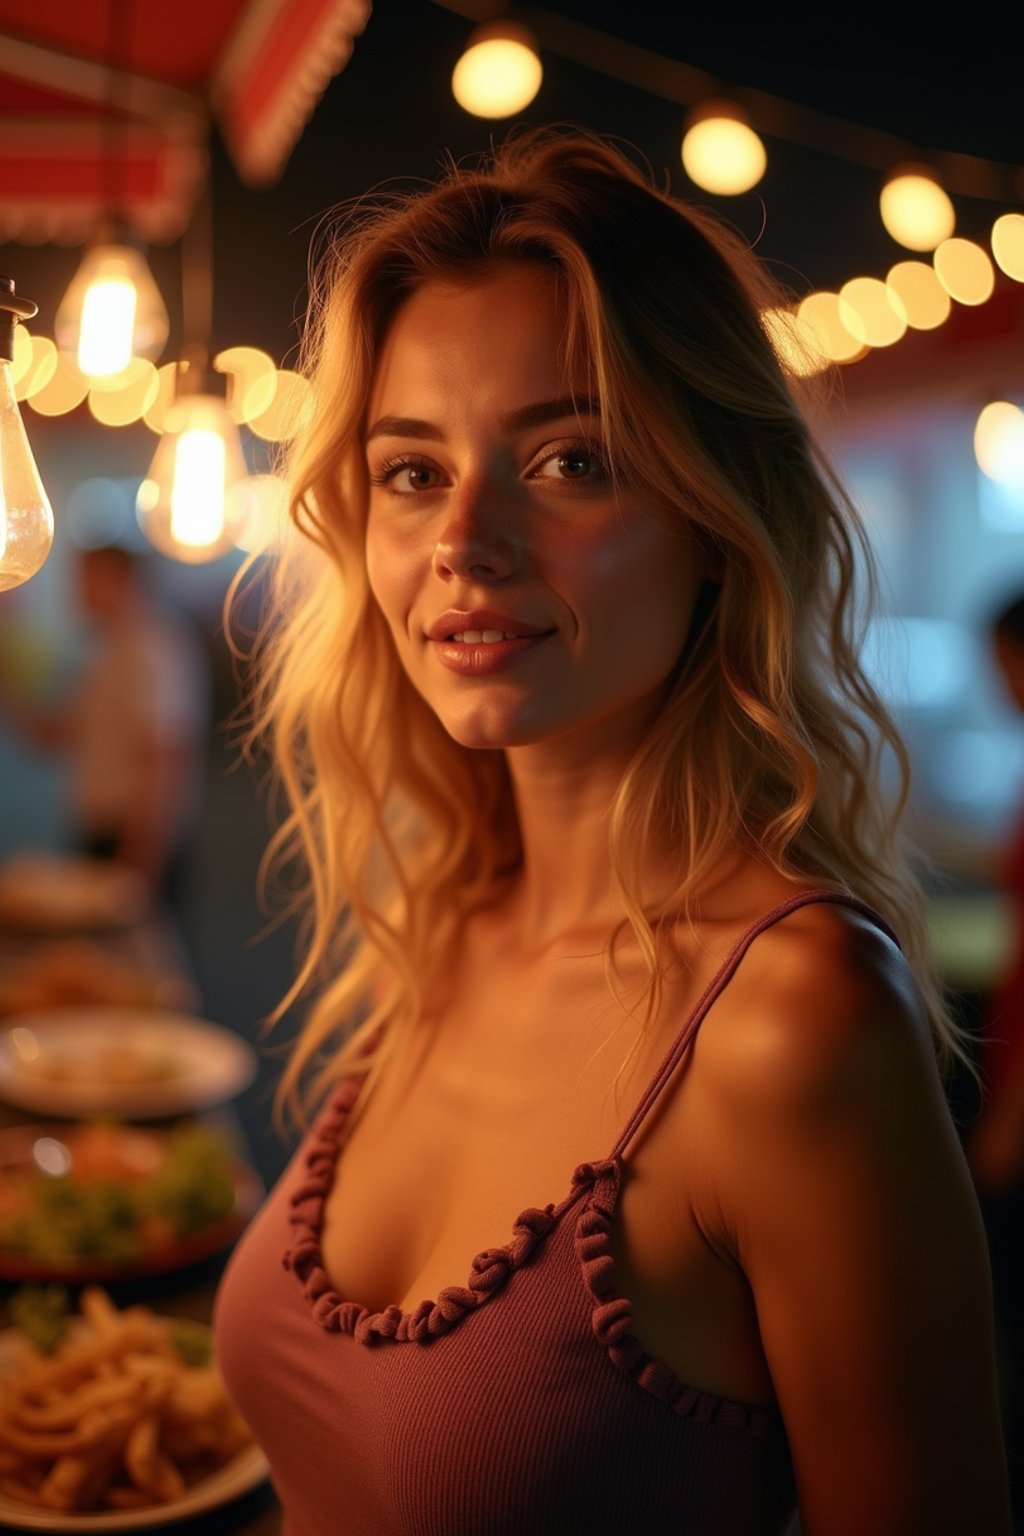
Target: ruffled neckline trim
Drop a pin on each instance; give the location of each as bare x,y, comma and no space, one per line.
612,1316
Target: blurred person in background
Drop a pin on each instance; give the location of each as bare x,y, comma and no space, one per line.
133,724
995,1144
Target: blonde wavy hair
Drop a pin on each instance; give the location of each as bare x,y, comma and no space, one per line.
772,736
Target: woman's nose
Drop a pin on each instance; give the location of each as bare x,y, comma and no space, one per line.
477,539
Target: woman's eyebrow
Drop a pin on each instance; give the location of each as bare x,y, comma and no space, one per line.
516,421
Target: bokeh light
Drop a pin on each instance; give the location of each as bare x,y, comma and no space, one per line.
820,313
1008,244
999,442
137,394
66,389
500,72
288,409
41,368
251,372
965,271
915,209
720,151
868,312
917,292
155,414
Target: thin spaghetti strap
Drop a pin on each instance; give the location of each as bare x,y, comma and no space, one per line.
718,982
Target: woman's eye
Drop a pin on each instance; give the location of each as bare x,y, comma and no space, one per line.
576,463
405,477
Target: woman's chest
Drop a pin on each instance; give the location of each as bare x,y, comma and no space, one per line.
447,1155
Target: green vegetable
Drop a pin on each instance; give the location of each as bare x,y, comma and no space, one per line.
75,1218
192,1341
42,1314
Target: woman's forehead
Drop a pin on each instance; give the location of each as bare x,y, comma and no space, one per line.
500,338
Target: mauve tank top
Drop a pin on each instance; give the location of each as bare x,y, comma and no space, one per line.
518,1404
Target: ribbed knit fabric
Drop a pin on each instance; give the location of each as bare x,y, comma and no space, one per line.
517,1404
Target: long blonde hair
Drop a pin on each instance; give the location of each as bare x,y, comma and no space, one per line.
772,736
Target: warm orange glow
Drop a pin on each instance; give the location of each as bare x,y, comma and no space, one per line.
999,442
964,271
40,370
288,409
1008,244
66,389
819,312
915,288
720,151
867,311
155,415
138,393
915,210
246,367
797,346
500,72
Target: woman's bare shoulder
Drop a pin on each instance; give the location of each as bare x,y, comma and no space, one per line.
823,1003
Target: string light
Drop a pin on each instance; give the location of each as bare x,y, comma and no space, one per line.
1008,244
999,442
918,295
964,271
500,71
720,150
915,209
821,314
867,311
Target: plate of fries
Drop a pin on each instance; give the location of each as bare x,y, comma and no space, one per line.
115,1430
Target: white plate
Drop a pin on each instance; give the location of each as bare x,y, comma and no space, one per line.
210,1064
241,1474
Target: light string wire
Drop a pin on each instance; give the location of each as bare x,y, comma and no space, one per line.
686,86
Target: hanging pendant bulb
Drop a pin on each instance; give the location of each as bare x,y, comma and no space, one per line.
111,312
26,520
184,505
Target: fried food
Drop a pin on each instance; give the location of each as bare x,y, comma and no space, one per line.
115,1418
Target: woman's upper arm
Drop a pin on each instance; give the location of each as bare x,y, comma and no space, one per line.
848,1204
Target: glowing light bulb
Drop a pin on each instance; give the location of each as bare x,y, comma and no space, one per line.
499,73
1008,244
720,151
915,209
184,506
965,271
999,442
111,312
915,287
26,519
820,314
869,311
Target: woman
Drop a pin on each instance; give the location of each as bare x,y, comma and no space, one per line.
579,755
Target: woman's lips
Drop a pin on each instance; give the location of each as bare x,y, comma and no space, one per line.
473,655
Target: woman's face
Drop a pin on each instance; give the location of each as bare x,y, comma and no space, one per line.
528,601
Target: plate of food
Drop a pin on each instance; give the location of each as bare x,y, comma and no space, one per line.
138,1063
42,892
114,1420
104,1201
